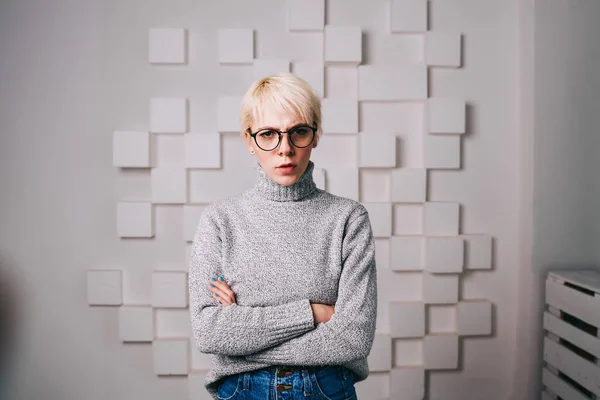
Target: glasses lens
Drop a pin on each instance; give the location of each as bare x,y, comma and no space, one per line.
267,139
301,136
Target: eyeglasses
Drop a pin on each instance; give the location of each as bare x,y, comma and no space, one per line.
300,136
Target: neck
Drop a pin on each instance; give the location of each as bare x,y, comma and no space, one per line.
269,189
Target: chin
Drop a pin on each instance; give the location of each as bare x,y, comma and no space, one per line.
287,180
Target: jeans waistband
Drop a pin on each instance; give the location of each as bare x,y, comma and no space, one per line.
292,368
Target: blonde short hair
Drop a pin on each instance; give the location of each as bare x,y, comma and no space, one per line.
286,91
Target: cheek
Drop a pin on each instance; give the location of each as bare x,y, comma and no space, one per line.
305,152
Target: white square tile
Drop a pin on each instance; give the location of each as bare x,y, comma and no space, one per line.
407,16
342,182
306,15
168,150
343,44
377,150
313,72
169,289
441,219
336,152
380,216
168,115
380,357
374,185
264,68
172,323
236,46
442,49
440,288
397,286
171,356
405,118
441,319
206,185
447,116
196,388
409,185
319,178
408,219
407,383
382,254
203,150
167,45
440,352
375,387
408,352
169,185
474,317
135,219
136,323
386,83
478,251
191,218
441,152
104,288
340,116
407,319
199,361
228,119
341,81
407,253
444,254
131,149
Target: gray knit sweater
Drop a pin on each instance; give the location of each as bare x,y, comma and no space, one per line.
281,248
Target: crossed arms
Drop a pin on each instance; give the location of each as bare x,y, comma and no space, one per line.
288,333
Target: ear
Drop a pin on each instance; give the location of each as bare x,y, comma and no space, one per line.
248,141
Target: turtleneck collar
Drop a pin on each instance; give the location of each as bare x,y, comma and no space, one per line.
269,189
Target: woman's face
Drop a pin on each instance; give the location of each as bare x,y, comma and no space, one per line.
285,153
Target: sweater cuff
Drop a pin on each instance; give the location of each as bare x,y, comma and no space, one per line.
290,319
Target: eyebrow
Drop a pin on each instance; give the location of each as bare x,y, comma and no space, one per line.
292,127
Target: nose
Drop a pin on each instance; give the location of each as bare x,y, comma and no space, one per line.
285,147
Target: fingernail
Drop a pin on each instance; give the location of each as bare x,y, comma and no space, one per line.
214,279
217,294
211,285
221,278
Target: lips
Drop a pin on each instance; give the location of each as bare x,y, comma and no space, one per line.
286,165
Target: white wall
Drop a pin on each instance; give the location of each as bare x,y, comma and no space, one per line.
561,98
72,72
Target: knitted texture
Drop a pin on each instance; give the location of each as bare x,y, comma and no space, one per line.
281,248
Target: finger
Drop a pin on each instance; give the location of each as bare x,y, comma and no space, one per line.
224,287
220,295
220,282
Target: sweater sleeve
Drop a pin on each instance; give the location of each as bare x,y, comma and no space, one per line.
234,330
350,332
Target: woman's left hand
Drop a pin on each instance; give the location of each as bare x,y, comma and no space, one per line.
221,291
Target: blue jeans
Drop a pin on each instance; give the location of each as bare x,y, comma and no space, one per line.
313,383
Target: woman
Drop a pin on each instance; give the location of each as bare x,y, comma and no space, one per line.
283,290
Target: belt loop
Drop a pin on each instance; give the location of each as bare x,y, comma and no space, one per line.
246,380
307,385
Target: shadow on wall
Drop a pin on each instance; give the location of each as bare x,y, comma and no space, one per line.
11,316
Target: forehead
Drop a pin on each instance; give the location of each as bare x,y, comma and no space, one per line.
277,117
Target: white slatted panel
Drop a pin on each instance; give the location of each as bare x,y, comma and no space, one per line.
579,304
579,338
580,370
560,387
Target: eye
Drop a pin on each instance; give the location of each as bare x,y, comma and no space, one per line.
301,131
267,134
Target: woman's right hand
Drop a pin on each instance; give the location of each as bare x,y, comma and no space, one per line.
322,312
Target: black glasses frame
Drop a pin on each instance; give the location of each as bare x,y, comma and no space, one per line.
313,128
